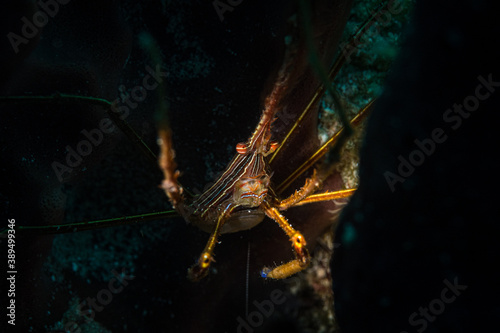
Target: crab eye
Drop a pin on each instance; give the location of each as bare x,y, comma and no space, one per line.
241,148
273,145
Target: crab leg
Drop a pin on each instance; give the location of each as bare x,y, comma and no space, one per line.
298,244
200,269
311,185
167,164
304,194
326,196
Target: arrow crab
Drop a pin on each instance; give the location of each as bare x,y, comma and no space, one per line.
241,196
247,194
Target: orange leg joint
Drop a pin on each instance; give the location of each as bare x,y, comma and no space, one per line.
302,257
200,269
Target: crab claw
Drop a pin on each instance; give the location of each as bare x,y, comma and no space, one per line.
199,270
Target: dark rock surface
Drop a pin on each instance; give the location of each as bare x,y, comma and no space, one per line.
419,243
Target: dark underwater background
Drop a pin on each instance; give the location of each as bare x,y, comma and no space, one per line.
394,247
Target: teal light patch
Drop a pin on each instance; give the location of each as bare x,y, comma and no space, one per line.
444,258
407,246
29,160
349,234
385,302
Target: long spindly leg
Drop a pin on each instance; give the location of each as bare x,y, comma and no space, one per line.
166,158
304,194
166,161
298,241
311,185
325,196
331,144
302,257
200,269
326,79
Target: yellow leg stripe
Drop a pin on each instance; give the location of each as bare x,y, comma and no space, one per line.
326,196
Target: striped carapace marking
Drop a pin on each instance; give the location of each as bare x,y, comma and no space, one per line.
242,168
250,161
